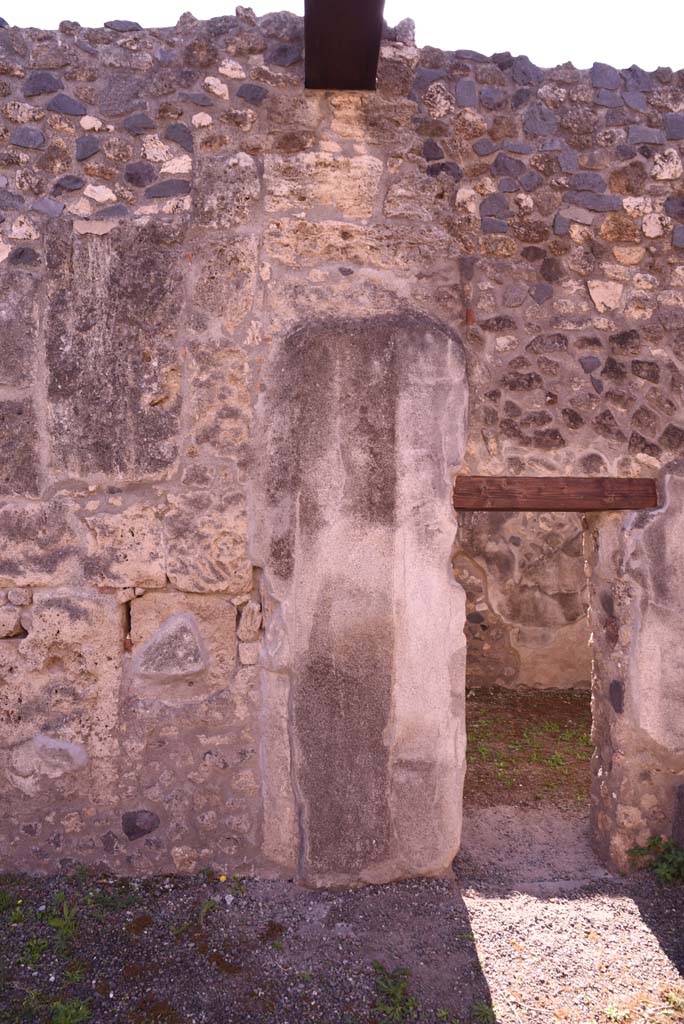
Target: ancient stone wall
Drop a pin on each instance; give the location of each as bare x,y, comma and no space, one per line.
174,207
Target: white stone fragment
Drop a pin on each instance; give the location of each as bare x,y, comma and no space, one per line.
155,150
667,165
232,69
654,224
23,228
99,193
91,124
4,252
605,295
179,165
94,227
216,87
202,119
249,653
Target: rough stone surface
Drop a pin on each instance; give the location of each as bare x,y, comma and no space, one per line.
174,206
348,652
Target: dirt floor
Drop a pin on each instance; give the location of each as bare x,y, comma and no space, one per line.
528,929
527,747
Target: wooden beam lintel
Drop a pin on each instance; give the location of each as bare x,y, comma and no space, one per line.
553,494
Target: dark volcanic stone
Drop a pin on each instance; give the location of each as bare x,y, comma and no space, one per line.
466,93
533,253
50,207
589,363
674,126
27,137
445,167
251,93
495,205
116,210
68,183
24,256
561,225
170,187
531,180
138,124
10,200
63,104
285,55
588,181
504,164
605,77
551,269
674,207
678,237
432,150
140,173
606,98
541,292
525,72
639,133
539,120
136,824
637,80
483,147
492,98
39,83
200,99
87,146
3,23
494,226
636,101
181,135
591,201
121,25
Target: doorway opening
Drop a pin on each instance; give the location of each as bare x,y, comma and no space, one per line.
528,689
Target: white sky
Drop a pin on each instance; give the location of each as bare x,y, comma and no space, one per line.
617,32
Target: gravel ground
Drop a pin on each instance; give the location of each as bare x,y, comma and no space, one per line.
509,938
529,929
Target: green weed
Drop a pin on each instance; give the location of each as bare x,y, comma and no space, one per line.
72,1011
394,1002
661,856
33,951
63,919
483,1012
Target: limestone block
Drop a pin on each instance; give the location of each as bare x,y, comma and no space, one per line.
206,542
126,548
113,375
348,185
19,457
226,189
59,695
10,621
39,545
224,282
295,242
43,757
220,402
250,621
373,640
184,646
18,326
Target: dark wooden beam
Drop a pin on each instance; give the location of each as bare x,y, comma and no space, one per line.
342,43
553,494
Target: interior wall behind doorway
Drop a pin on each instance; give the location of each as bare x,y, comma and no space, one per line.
524,577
